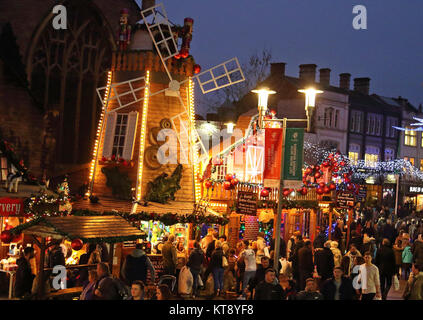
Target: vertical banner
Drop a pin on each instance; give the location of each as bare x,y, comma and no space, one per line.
272,157
293,157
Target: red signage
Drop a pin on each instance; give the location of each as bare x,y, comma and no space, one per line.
11,207
272,157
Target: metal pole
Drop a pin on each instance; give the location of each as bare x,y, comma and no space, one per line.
396,196
279,212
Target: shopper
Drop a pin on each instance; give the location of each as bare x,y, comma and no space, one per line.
136,265
407,258
337,256
216,265
137,290
163,292
268,289
24,277
260,272
305,262
310,292
262,250
105,288
338,287
225,245
385,261
195,260
181,257
89,287
351,254
370,283
249,257
324,262
169,256
414,287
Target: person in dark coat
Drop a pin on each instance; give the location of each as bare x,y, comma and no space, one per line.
385,261
260,272
324,262
105,288
83,259
267,289
136,265
389,232
216,266
24,276
356,240
282,247
338,287
195,260
299,243
305,263
169,256
320,240
56,256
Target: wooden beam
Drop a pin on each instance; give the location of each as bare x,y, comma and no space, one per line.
40,292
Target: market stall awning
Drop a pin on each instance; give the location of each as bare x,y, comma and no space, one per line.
108,228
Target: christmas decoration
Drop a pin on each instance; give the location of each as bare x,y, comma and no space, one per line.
162,189
197,69
124,34
208,184
77,244
118,182
264,193
229,177
6,236
227,185
234,181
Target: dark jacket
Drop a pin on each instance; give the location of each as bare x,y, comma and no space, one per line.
56,257
216,259
196,259
108,289
418,252
306,295
389,232
135,267
323,259
169,255
24,278
346,290
294,257
319,241
259,276
268,291
289,293
358,241
305,260
385,260
210,248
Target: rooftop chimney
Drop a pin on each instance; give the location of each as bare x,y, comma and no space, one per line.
277,69
308,72
344,81
325,76
362,85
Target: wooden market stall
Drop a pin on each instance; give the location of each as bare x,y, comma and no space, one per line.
110,229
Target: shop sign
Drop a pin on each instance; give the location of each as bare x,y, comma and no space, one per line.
272,157
362,194
157,262
414,189
11,207
293,154
345,200
247,203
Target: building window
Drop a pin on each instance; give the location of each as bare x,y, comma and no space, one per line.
120,133
421,164
374,124
411,160
410,138
371,156
355,121
389,154
390,131
3,168
353,153
331,118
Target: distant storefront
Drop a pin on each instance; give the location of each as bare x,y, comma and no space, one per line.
414,194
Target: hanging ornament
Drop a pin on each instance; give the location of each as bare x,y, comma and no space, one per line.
285,192
332,186
317,168
335,169
77,244
342,164
264,193
304,191
229,177
317,175
319,191
6,236
347,180
227,185
308,171
208,184
197,68
234,181
350,187
321,184
325,164
326,189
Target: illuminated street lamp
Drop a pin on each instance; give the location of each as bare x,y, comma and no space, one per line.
263,96
310,103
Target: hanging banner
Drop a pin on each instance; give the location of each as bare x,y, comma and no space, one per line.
11,207
272,157
293,155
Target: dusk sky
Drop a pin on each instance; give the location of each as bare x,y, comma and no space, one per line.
390,51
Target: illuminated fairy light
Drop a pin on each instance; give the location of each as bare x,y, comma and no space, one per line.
218,205
98,133
143,135
196,162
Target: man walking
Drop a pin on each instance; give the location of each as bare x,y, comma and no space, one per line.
370,282
24,276
414,287
385,261
136,265
338,287
268,289
169,256
323,260
305,263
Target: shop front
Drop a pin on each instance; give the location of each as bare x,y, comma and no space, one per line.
414,194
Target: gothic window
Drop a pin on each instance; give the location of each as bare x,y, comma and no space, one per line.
65,68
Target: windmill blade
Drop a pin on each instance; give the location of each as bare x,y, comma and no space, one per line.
223,75
409,129
416,124
418,119
161,33
125,92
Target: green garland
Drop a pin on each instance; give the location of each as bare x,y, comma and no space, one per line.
289,204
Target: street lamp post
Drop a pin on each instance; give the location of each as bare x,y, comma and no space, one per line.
263,97
310,103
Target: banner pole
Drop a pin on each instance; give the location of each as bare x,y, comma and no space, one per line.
279,212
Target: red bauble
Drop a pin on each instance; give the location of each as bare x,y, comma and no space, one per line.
184,53
307,171
6,236
208,184
332,186
326,189
330,156
319,191
325,164
335,175
178,56
335,169
342,163
317,175
229,177
103,159
197,68
347,180
264,193
321,184
113,157
285,192
304,191
345,175
77,244
234,181
317,168
227,185
350,186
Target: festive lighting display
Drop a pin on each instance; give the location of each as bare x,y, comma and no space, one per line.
196,164
98,134
143,135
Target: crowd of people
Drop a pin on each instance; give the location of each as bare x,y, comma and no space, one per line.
362,264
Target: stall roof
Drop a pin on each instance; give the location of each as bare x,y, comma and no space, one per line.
108,228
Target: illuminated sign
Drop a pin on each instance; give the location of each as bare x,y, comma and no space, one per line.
415,189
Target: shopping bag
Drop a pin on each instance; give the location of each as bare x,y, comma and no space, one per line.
396,283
